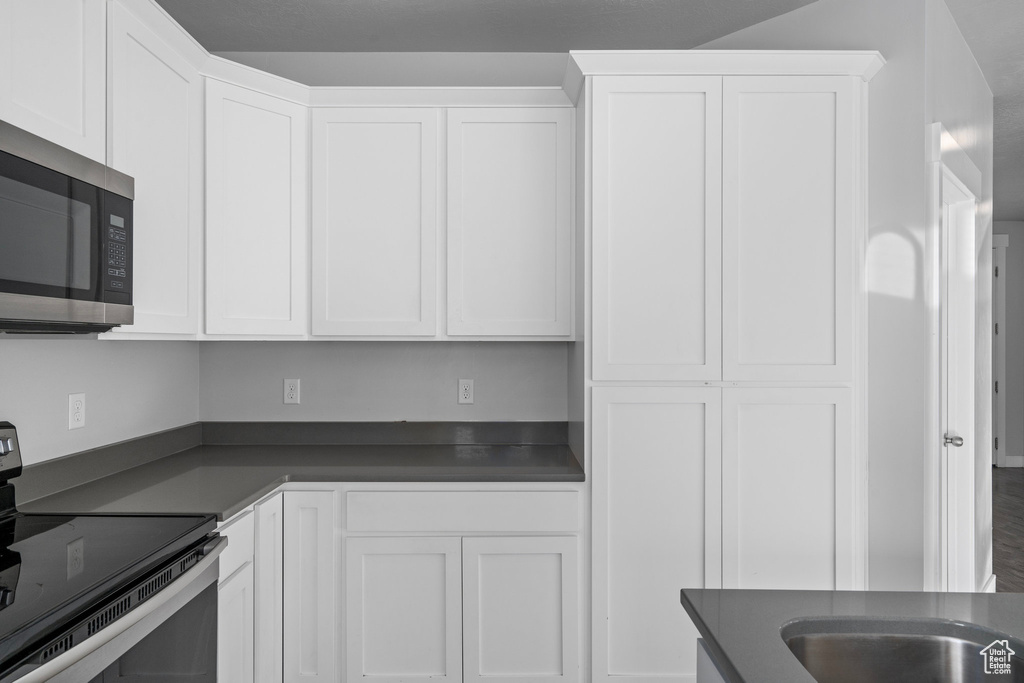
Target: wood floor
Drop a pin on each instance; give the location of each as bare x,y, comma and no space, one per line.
1008,528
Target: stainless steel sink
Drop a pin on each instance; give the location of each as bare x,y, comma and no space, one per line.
860,650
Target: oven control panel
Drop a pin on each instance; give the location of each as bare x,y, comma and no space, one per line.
10,453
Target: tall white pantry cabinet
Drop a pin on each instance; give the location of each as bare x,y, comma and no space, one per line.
726,204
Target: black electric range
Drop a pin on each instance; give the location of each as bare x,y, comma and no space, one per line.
64,578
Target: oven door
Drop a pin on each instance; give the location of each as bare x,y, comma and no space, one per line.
170,637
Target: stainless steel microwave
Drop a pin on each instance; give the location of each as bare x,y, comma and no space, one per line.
65,239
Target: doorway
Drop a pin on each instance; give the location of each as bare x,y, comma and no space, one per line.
957,292
958,448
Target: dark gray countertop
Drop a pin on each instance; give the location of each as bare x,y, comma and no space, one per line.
224,478
742,627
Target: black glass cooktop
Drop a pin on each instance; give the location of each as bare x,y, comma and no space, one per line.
54,568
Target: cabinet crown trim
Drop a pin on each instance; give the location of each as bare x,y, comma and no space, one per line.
862,63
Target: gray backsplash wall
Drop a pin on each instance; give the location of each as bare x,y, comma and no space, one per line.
132,388
383,381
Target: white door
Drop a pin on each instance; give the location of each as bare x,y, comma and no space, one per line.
789,486
787,228
657,198
374,221
310,653
256,196
657,484
509,221
156,121
53,71
235,627
956,397
403,609
520,616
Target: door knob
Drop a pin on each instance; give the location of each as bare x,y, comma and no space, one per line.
957,441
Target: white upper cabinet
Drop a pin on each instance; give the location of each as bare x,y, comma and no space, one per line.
53,71
374,196
788,228
509,223
256,225
156,120
657,198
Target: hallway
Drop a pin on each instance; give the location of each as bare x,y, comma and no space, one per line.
1008,528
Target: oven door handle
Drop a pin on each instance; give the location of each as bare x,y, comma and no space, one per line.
93,655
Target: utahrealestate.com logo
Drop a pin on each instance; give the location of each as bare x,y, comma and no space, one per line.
997,657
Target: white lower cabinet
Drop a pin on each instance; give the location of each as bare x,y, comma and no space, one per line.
656,457
403,609
235,627
235,601
309,580
468,609
519,607
269,590
707,487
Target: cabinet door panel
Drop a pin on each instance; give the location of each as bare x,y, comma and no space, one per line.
656,526
374,221
404,609
235,627
657,227
309,580
788,494
156,123
53,71
256,212
520,610
509,230
788,228
269,580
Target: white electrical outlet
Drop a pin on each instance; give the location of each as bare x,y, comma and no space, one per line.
291,390
76,411
465,391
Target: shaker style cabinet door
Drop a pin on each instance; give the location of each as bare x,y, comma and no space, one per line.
657,485
310,654
657,198
53,73
788,228
374,221
403,609
269,589
789,489
235,627
509,222
519,605
156,122
256,184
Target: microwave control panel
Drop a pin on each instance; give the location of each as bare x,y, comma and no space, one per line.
117,250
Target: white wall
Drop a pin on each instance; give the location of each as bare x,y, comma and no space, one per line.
421,69
383,381
1014,383
132,388
917,83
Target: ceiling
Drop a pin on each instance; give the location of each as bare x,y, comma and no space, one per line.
465,25
993,30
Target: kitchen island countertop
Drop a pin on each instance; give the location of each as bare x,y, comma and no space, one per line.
742,627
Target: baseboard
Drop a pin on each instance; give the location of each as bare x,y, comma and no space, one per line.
990,585
1013,461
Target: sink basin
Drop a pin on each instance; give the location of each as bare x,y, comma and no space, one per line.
857,650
